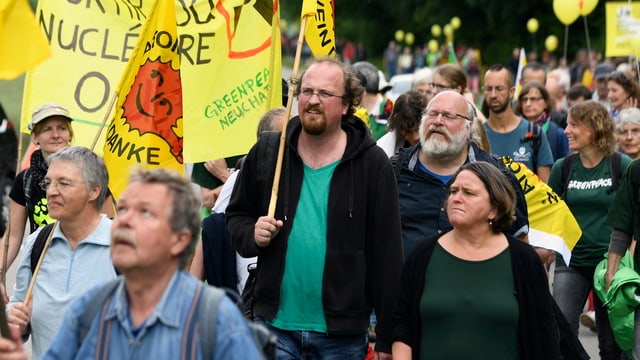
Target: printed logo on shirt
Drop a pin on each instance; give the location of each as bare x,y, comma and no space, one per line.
41,213
589,185
522,155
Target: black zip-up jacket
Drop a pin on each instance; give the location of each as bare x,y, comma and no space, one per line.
364,249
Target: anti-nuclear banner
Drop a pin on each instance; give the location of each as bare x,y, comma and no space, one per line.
232,79
91,42
622,28
230,67
551,223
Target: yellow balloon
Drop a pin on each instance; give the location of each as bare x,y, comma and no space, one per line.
399,35
448,30
455,22
566,11
587,6
551,43
284,25
409,38
433,45
532,25
436,30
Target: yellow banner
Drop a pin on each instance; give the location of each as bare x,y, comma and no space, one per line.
22,44
232,73
320,31
147,128
91,42
552,225
622,28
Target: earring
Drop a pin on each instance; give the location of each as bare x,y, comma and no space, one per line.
490,222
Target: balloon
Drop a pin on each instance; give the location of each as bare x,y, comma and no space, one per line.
409,38
448,30
551,43
433,45
587,6
436,30
532,25
566,11
399,35
455,22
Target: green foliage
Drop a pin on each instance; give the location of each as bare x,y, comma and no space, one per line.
495,27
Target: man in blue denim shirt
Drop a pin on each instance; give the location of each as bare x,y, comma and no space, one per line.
152,239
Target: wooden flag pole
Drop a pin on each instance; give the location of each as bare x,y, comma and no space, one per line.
7,232
27,297
294,79
104,120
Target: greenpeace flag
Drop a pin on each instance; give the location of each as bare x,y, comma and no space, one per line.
522,61
320,30
147,126
231,74
22,43
551,223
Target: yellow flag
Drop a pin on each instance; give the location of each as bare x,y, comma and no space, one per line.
231,74
22,43
147,127
320,31
522,61
91,43
622,28
551,223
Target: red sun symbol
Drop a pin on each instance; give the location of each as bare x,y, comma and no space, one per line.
154,104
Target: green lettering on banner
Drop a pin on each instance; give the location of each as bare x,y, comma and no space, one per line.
245,97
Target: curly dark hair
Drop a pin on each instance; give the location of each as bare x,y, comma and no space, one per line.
353,89
407,111
595,116
627,82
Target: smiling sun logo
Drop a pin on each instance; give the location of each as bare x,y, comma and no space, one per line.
154,104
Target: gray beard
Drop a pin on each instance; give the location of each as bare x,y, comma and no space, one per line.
442,149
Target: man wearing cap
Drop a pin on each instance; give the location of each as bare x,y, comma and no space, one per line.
600,83
378,107
50,131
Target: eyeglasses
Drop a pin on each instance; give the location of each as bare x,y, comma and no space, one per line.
498,89
61,185
323,95
440,87
526,99
432,115
633,132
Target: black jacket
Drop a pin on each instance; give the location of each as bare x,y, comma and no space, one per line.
543,332
364,251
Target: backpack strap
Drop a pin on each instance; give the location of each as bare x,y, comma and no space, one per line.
397,160
565,173
209,305
267,152
38,245
189,348
533,136
99,302
615,161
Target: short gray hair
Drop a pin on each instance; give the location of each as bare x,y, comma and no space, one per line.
91,166
628,116
184,213
268,120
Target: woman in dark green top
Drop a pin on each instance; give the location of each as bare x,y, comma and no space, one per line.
458,299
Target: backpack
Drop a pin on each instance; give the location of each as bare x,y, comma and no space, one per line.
567,169
38,245
533,137
207,298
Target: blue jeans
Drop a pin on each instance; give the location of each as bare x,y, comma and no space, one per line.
571,286
314,345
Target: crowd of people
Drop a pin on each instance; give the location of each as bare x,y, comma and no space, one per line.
398,232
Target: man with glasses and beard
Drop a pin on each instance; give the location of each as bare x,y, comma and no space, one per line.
425,170
508,133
